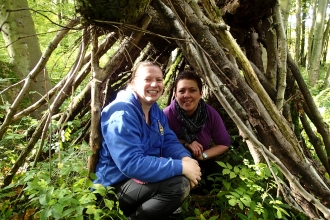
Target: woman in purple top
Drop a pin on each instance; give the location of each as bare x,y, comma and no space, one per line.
197,125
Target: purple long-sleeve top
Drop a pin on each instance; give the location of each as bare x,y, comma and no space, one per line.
213,130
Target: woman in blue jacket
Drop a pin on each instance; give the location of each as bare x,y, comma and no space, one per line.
140,156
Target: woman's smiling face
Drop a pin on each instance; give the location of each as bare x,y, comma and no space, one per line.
148,84
187,95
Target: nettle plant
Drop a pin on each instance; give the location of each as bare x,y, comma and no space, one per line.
247,193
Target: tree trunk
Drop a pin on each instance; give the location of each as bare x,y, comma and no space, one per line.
282,60
303,56
219,55
284,147
285,9
313,75
298,28
325,42
19,34
310,9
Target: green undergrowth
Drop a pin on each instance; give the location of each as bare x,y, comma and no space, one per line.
59,189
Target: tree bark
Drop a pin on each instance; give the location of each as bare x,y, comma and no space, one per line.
23,47
325,42
286,147
313,74
285,6
282,48
298,28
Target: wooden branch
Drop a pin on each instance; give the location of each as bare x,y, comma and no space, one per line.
259,116
256,86
245,132
282,52
105,45
272,53
316,142
314,114
22,157
95,138
31,76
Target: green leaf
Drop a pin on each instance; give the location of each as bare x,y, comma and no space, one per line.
197,212
222,164
241,216
235,194
279,214
98,188
265,214
43,199
240,204
68,212
109,203
58,208
225,171
232,175
45,214
246,200
267,171
240,190
232,202
236,169
222,193
52,202
57,211
227,184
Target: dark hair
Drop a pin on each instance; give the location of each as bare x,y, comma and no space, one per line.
142,63
190,75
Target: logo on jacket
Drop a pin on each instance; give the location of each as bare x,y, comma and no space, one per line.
160,127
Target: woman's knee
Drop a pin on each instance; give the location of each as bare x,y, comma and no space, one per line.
180,185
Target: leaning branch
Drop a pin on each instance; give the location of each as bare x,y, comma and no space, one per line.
32,75
315,115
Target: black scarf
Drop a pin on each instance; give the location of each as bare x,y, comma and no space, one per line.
191,126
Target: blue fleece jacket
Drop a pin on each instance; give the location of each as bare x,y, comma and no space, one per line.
133,149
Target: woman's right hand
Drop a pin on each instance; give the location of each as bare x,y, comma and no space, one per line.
191,170
195,148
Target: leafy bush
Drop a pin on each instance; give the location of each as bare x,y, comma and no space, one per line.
249,190
62,192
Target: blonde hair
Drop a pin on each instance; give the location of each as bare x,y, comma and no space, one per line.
142,64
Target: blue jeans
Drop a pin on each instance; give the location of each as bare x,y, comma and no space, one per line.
153,200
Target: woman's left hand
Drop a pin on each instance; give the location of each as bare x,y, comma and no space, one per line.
196,149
